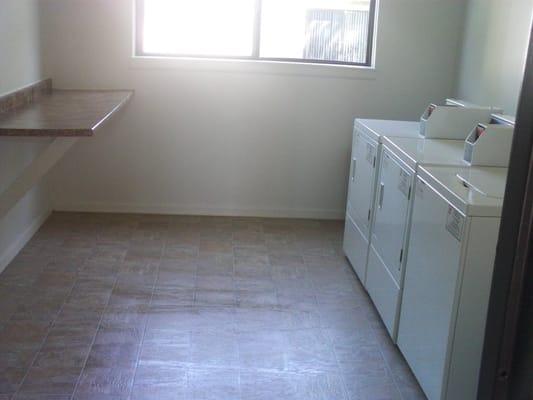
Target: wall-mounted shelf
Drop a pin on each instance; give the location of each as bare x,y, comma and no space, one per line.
40,111
46,112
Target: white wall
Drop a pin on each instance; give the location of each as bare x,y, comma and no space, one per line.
20,65
208,138
494,52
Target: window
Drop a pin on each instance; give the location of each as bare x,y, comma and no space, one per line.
318,31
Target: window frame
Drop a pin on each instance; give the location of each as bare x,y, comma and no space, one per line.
139,29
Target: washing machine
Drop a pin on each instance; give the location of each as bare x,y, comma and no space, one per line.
453,236
400,158
486,145
437,121
365,152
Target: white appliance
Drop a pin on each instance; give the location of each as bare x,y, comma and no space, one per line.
366,147
366,152
400,159
487,144
452,245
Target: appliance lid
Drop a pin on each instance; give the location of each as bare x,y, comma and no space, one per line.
475,191
503,119
377,128
415,152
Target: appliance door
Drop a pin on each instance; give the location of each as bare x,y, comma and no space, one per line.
428,309
391,212
362,177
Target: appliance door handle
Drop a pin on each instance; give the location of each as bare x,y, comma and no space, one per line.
354,165
381,194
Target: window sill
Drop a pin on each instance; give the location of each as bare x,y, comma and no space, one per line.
254,66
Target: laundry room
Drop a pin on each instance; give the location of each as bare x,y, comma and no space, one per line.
266,199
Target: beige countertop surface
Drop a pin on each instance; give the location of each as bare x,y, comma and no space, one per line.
59,112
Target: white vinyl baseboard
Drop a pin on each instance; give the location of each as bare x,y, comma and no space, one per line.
20,241
172,209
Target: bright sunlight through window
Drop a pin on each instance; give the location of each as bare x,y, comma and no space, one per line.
325,31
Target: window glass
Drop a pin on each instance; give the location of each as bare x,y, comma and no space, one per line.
332,30
199,27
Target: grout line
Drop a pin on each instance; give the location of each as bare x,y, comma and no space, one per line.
195,289
97,330
50,327
141,343
234,328
329,339
389,369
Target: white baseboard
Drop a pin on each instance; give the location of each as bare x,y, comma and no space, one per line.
11,252
171,209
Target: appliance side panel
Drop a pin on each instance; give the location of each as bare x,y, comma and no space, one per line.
472,310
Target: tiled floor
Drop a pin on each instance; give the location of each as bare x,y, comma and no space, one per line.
159,307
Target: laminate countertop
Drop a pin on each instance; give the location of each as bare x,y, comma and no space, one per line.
58,112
